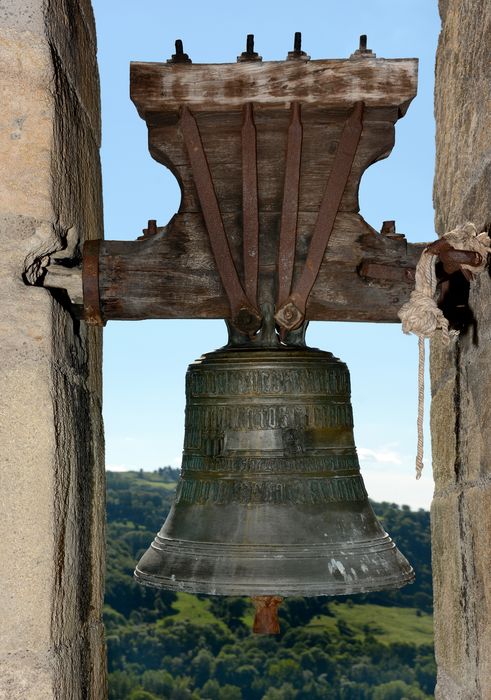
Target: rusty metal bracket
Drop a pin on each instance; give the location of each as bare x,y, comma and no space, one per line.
452,259
289,209
291,313
250,209
382,272
90,283
266,618
150,231
244,315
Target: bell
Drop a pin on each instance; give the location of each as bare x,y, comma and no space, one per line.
270,501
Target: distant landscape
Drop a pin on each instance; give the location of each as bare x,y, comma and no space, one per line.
168,646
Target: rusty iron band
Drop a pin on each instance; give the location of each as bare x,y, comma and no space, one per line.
90,282
289,210
244,316
291,313
452,258
250,209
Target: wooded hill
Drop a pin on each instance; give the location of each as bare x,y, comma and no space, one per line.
163,645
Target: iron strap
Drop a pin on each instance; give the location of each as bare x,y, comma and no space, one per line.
244,316
291,313
289,209
90,283
250,213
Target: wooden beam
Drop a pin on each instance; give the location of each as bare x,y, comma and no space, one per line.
174,275
161,88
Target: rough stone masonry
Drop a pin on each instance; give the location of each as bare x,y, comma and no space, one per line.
51,472
461,379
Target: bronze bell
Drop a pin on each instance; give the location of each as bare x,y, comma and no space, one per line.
270,500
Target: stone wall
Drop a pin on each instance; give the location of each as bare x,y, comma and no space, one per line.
461,377
51,472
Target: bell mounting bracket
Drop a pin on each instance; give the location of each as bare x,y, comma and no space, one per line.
269,157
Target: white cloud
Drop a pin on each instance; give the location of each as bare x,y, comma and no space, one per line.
384,455
389,475
397,487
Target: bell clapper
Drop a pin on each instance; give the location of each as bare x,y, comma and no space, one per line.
266,618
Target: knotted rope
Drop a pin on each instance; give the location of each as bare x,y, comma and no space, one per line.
421,315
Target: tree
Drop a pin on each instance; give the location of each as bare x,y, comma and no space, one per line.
158,682
202,666
286,692
398,690
140,694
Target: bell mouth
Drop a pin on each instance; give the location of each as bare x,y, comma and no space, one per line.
293,570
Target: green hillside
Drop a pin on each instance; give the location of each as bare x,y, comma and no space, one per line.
163,645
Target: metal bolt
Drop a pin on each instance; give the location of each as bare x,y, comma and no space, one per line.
249,54
388,228
297,49
179,56
362,51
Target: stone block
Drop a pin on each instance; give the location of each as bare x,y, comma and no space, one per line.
78,196
461,562
26,124
462,93
52,471
71,31
461,528
477,503
25,676
442,363
450,641
27,497
22,16
475,415
443,423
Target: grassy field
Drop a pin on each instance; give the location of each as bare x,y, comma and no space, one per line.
142,479
388,625
196,610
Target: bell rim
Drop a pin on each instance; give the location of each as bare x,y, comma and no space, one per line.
288,590
326,566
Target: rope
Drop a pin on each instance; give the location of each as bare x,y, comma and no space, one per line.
421,315
421,406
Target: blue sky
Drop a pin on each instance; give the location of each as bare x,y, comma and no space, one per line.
145,361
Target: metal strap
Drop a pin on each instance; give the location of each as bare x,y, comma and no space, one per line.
243,314
90,283
250,212
289,210
291,313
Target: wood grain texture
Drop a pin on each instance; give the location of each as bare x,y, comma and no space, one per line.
162,88
173,274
